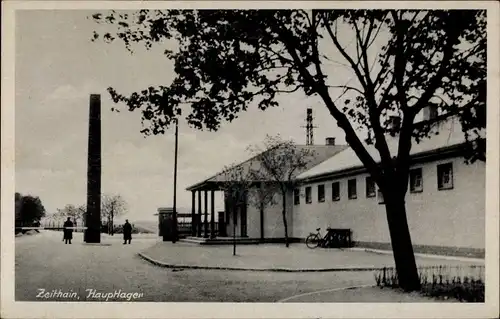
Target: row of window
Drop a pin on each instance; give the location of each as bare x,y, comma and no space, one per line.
444,176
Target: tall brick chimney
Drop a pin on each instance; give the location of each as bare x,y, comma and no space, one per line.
93,215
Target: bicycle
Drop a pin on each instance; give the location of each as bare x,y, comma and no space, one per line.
315,240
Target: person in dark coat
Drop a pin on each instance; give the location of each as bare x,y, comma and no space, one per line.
127,232
68,232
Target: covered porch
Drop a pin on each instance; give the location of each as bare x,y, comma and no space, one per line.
206,222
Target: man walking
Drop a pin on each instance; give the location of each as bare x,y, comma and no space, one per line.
127,232
68,231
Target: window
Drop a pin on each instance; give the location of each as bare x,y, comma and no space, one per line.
308,195
296,196
351,189
370,187
321,193
335,191
445,176
380,196
416,184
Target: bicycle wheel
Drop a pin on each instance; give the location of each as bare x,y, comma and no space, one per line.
312,241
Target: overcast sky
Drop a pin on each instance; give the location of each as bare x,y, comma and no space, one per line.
58,67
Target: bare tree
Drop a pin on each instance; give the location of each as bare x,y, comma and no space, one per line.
236,182
52,219
72,211
281,160
112,206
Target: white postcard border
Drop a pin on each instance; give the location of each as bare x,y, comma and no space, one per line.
10,308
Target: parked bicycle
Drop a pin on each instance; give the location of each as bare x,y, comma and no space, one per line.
315,240
334,238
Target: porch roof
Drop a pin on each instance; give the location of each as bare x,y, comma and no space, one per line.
321,154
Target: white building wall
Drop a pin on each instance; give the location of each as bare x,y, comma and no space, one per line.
452,217
273,220
253,221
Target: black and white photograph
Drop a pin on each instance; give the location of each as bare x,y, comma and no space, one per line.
250,159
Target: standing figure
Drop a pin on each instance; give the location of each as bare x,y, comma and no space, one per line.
127,232
68,232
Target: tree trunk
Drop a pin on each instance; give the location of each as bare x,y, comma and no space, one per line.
112,223
402,248
285,224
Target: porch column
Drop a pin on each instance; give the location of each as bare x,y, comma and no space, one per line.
193,213
212,215
198,220
206,215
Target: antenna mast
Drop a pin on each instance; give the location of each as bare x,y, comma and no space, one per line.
309,127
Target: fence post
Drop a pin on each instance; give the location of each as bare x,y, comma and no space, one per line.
441,275
383,277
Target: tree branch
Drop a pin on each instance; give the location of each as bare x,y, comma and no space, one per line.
342,121
344,53
289,91
314,46
448,53
334,61
399,60
346,87
369,44
373,111
369,33
386,93
359,43
382,72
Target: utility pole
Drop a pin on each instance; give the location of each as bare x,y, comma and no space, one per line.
234,232
235,208
174,213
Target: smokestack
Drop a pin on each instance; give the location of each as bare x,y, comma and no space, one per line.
93,215
330,141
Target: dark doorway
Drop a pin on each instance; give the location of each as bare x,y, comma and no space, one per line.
222,223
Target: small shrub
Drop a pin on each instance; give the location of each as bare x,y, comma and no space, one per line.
464,283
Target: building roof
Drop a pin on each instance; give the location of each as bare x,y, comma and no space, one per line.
449,133
321,153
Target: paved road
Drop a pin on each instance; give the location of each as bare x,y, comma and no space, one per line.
43,261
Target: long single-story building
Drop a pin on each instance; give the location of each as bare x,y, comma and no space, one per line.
445,201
